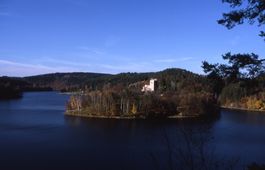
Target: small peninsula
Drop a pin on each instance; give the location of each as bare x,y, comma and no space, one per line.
172,93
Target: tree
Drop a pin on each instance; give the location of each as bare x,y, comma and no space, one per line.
239,66
211,69
134,109
244,10
249,63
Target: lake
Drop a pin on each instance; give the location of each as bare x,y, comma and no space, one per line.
35,134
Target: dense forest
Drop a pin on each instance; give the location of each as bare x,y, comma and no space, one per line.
240,83
13,87
65,81
179,93
10,88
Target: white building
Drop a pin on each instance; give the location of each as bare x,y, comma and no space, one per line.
151,86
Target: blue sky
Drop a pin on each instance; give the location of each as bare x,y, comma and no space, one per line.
113,36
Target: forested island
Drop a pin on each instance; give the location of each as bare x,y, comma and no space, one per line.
179,93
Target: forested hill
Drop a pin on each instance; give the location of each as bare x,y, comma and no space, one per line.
178,93
64,81
169,79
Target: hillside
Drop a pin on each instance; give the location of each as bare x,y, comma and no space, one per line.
64,81
178,93
170,79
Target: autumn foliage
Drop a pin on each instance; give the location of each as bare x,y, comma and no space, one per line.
179,93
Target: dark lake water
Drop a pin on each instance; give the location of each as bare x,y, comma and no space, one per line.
35,134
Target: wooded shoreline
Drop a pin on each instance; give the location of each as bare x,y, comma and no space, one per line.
242,109
83,114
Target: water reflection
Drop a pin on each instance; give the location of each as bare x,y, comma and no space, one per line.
72,121
244,117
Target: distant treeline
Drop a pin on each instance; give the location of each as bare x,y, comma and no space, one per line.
169,79
11,88
67,82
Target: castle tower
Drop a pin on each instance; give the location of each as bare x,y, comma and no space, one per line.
151,87
153,84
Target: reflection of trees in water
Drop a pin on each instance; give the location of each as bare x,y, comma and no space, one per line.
248,117
72,121
172,144
193,150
